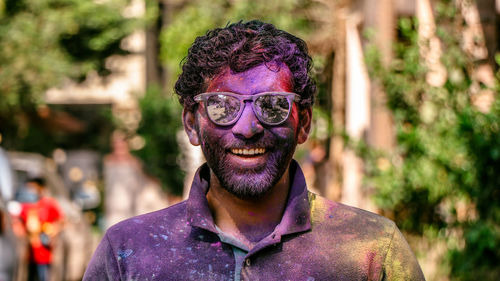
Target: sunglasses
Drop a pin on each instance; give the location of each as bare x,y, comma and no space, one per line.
271,108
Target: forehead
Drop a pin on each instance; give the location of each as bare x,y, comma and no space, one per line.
277,78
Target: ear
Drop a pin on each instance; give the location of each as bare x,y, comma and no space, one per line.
189,121
304,126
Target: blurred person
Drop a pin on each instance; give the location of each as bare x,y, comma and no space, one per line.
42,220
247,95
8,251
8,242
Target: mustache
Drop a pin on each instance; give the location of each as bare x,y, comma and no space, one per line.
260,143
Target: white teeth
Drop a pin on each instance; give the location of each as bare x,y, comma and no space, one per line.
252,151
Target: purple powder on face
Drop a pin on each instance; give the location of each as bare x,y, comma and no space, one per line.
245,183
249,182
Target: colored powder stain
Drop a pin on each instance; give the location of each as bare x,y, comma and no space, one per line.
372,265
330,216
165,237
189,248
310,278
138,221
122,254
209,267
216,244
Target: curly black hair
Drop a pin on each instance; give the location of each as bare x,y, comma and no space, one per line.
242,46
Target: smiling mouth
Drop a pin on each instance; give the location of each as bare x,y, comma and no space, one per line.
248,152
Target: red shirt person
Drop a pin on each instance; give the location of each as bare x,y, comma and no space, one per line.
42,221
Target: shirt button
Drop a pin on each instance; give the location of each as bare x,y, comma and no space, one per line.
247,262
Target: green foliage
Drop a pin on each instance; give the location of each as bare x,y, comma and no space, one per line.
443,174
478,258
44,41
160,122
195,18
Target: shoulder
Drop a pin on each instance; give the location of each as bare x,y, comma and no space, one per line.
333,215
48,201
51,208
127,247
166,218
358,239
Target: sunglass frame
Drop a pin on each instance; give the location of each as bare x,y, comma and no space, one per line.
291,98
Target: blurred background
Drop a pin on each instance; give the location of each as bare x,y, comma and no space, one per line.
406,122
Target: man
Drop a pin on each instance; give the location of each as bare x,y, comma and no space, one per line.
42,219
247,96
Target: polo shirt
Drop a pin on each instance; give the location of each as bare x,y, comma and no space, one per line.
317,239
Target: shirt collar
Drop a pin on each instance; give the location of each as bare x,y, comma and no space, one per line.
296,217
198,212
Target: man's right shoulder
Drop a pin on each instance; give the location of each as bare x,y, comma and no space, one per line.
166,218
132,247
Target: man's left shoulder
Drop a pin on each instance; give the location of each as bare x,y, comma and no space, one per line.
333,215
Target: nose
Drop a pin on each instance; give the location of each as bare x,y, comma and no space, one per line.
248,125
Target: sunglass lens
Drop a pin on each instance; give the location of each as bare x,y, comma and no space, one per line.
222,109
273,109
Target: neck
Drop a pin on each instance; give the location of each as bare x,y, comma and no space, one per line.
248,220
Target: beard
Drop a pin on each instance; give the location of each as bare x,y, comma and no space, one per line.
246,183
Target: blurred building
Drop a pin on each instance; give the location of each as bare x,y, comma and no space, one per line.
87,173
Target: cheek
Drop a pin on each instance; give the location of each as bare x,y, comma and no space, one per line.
208,130
289,128
286,131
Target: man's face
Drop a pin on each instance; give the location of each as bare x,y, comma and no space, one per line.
248,157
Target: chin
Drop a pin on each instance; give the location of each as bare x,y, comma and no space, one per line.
250,185
247,182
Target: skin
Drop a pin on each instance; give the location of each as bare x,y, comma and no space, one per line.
247,194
